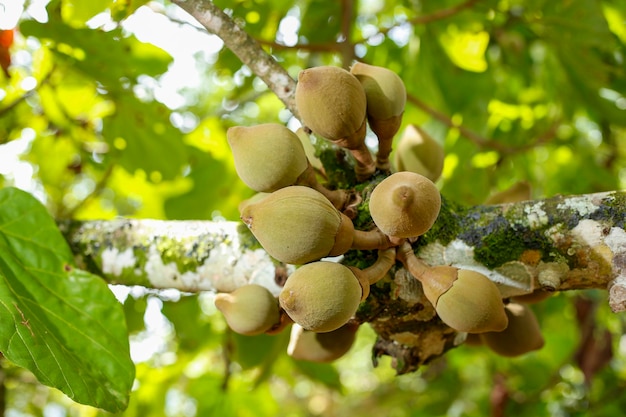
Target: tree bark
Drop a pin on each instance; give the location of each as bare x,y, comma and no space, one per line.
556,244
561,243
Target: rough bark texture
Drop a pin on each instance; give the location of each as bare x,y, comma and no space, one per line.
562,243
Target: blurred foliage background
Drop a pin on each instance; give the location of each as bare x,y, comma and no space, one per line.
116,108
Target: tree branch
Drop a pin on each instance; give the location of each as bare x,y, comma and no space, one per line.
561,243
245,47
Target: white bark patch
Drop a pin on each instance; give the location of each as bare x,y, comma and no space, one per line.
161,275
211,22
588,233
536,215
512,278
227,267
616,240
582,206
114,261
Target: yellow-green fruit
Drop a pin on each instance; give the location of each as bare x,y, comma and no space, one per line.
384,90
250,309
465,300
418,152
321,347
297,225
267,156
331,101
521,336
321,296
520,191
405,204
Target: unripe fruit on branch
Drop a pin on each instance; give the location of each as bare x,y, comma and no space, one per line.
465,300
386,97
267,156
249,310
270,156
521,336
322,296
418,152
297,225
321,347
332,103
520,191
405,205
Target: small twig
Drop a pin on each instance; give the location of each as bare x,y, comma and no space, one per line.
480,141
26,95
311,47
346,45
67,214
424,19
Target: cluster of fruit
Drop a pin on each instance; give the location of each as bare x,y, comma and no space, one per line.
299,221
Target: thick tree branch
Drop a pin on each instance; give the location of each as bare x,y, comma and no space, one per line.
561,243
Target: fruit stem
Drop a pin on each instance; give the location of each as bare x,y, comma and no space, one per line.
377,271
365,165
338,198
355,143
370,240
412,263
385,130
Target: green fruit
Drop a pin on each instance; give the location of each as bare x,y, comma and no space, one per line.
249,310
472,303
297,225
384,90
321,347
521,336
321,296
418,152
405,205
267,156
331,102
520,191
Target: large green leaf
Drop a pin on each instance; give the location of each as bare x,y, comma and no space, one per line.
145,138
107,57
61,323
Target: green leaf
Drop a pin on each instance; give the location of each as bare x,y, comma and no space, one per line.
323,373
78,12
187,317
61,323
216,187
108,57
145,138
